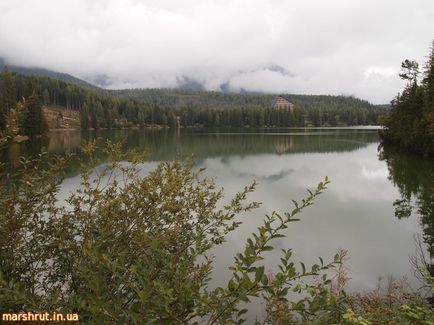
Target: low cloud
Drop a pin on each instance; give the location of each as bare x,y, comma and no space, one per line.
334,47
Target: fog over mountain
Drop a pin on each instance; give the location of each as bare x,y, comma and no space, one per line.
307,47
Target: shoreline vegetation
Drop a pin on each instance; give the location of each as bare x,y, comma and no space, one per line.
409,126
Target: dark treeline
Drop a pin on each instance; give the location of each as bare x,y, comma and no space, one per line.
19,117
232,109
179,98
125,108
410,123
97,110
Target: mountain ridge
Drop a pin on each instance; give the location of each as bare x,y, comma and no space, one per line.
188,91
42,72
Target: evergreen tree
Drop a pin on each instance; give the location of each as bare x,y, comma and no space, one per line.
46,97
164,119
2,115
84,117
7,96
410,123
428,83
34,123
410,71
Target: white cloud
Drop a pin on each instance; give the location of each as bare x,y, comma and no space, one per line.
380,72
337,47
375,173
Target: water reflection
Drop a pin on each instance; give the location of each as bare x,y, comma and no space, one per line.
11,153
166,144
64,141
284,145
354,213
414,178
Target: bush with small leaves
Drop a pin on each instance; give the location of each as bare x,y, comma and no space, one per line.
130,248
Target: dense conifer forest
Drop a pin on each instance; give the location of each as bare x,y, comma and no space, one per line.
101,108
410,122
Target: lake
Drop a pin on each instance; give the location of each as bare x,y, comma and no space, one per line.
377,202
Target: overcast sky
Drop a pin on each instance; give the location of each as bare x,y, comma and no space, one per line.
349,47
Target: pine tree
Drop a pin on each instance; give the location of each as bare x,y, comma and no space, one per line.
410,123
8,96
84,117
34,123
428,81
2,114
9,93
46,97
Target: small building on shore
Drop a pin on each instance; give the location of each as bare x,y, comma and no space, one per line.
282,102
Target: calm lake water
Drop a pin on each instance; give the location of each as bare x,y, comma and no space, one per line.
376,203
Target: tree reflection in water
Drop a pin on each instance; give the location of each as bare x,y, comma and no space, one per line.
414,178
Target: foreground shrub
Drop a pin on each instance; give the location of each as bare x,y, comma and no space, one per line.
129,248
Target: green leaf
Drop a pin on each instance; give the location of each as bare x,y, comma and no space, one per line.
232,285
303,267
291,272
242,312
259,273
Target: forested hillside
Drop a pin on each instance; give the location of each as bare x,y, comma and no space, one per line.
100,108
47,73
97,110
180,98
316,110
